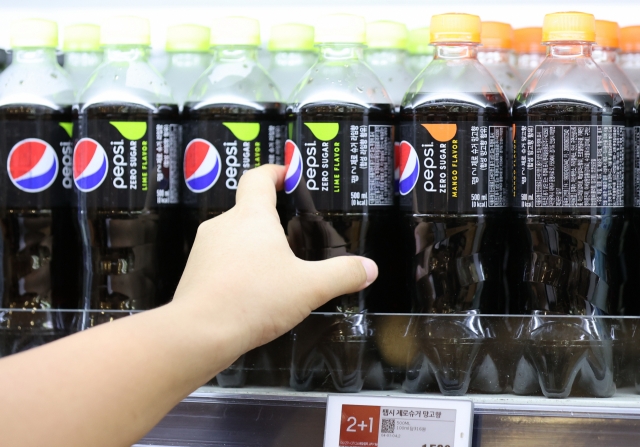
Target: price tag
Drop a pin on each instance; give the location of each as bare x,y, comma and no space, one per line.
364,421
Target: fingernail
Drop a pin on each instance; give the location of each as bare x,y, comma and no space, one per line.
371,268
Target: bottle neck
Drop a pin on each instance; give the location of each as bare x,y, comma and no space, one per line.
340,52
235,53
126,54
604,55
453,51
569,50
385,56
188,59
292,58
34,56
494,56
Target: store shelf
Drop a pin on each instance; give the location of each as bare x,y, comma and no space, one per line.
277,417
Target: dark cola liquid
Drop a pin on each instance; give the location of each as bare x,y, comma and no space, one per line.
456,251
324,224
566,261
39,244
133,245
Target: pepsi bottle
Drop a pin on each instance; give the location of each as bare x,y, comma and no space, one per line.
454,132
339,160
39,248
233,121
126,169
568,199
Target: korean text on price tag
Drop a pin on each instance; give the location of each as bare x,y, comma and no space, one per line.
356,421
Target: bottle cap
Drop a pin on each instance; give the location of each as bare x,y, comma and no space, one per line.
125,30
419,41
34,33
630,39
188,38
81,37
569,26
455,27
528,40
341,28
241,31
607,34
292,37
496,36
387,34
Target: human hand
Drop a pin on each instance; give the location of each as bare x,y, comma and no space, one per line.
241,270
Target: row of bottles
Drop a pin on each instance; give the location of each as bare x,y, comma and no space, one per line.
469,205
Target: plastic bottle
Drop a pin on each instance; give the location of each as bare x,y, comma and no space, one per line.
529,50
82,52
453,183
233,121
39,246
126,168
339,160
568,200
630,57
420,50
292,54
386,52
188,53
495,52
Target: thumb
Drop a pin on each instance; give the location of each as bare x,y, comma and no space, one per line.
338,276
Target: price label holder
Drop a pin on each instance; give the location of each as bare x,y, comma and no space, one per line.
366,421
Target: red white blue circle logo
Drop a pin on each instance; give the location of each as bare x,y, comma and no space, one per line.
32,165
409,168
201,165
90,164
293,165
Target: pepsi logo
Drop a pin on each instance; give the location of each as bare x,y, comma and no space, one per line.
90,165
409,168
293,165
32,165
201,165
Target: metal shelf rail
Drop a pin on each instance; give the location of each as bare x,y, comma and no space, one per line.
268,418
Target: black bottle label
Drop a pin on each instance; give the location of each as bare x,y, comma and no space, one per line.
36,162
217,153
452,167
340,166
128,164
568,165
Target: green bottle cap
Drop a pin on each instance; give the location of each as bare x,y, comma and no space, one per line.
125,30
241,31
419,39
387,34
341,28
291,37
81,37
34,33
188,38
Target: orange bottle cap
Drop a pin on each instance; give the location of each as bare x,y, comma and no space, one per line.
630,39
496,36
528,40
569,26
455,27
607,34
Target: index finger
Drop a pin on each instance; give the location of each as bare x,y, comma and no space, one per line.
260,184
